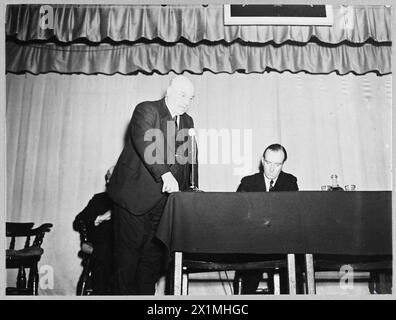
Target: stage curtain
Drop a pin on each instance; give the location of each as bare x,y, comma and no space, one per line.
195,23
65,131
236,57
111,39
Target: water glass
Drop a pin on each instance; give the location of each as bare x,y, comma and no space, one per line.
350,187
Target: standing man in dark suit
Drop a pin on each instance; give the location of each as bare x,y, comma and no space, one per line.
270,178
151,165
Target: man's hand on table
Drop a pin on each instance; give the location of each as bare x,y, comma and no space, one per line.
170,183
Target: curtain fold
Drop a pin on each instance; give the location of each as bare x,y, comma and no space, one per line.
194,23
148,58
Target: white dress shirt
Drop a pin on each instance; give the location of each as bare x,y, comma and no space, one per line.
268,182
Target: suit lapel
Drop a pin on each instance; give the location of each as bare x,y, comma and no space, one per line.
279,182
164,114
260,182
184,122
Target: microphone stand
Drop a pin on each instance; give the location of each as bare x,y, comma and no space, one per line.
193,187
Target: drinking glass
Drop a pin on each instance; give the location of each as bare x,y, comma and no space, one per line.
350,187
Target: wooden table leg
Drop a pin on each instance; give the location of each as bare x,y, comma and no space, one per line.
291,271
184,283
276,282
310,274
177,274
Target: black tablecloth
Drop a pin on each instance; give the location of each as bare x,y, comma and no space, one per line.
351,223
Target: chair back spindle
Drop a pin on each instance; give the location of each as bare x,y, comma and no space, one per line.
12,243
27,242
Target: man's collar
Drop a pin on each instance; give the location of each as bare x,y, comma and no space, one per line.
267,181
173,115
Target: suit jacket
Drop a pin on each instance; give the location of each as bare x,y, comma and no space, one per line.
136,184
256,183
98,205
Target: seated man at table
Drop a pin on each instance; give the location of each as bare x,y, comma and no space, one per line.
270,178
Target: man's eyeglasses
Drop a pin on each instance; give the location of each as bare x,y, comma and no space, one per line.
276,164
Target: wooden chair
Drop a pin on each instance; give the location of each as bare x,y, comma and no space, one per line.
26,257
84,284
379,268
196,263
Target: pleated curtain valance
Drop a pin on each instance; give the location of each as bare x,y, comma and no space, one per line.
127,39
149,58
194,23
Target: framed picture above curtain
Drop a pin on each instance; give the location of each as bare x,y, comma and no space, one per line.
262,14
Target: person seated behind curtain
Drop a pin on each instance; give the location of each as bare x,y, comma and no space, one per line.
270,178
95,220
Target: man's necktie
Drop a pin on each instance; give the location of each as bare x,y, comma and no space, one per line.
271,185
176,126
177,143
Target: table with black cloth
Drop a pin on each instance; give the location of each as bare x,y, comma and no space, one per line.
301,222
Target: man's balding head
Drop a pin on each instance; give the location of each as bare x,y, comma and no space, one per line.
179,95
